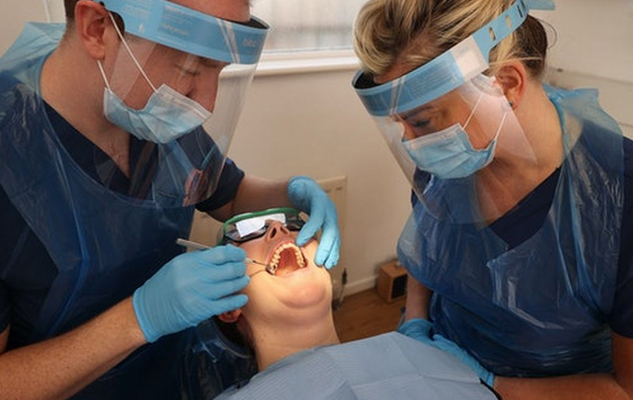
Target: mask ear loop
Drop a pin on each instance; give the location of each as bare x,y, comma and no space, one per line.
505,105
505,114
103,75
129,51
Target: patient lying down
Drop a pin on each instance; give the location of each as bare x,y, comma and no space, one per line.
288,323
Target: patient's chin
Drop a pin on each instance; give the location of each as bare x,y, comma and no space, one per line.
307,295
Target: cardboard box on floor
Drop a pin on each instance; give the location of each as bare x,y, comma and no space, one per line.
392,281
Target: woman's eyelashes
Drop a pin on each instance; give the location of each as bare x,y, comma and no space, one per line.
420,123
420,120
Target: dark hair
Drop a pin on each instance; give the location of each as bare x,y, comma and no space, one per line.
532,40
233,334
69,6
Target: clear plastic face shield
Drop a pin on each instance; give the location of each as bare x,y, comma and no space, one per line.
444,121
177,84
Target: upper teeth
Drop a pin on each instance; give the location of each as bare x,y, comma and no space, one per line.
274,263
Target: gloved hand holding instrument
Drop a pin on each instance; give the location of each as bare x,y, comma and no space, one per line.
189,289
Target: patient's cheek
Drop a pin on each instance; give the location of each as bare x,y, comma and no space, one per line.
310,249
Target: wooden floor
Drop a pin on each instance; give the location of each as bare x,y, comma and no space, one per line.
365,314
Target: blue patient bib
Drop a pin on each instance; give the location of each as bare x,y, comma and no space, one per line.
388,366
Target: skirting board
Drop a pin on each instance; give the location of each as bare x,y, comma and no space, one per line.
360,285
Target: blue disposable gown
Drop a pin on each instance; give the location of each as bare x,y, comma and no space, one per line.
540,308
103,243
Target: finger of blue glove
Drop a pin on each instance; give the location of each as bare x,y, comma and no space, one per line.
332,256
208,272
206,309
328,251
220,254
230,303
310,228
213,290
417,328
329,244
446,345
298,188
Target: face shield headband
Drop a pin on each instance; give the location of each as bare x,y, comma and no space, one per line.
190,31
448,71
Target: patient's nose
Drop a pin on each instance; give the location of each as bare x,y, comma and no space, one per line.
276,229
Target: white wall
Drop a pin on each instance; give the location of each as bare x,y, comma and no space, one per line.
594,48
14,13
594,37
313,124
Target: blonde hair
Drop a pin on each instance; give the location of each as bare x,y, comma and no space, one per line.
410,33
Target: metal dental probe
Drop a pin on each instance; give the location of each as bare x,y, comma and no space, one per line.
199,246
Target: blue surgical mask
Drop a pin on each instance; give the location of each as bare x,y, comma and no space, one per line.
448,154
167,115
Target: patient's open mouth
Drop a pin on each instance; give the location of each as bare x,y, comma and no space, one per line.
286,259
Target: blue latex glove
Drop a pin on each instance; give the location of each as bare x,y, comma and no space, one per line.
190,288
450,347
418,329
306,195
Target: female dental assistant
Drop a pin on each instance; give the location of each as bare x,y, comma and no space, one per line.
112,129
518,244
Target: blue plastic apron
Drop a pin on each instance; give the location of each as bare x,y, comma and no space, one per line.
540,308
104,244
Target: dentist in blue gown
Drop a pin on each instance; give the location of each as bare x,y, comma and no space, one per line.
114,128
519,244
